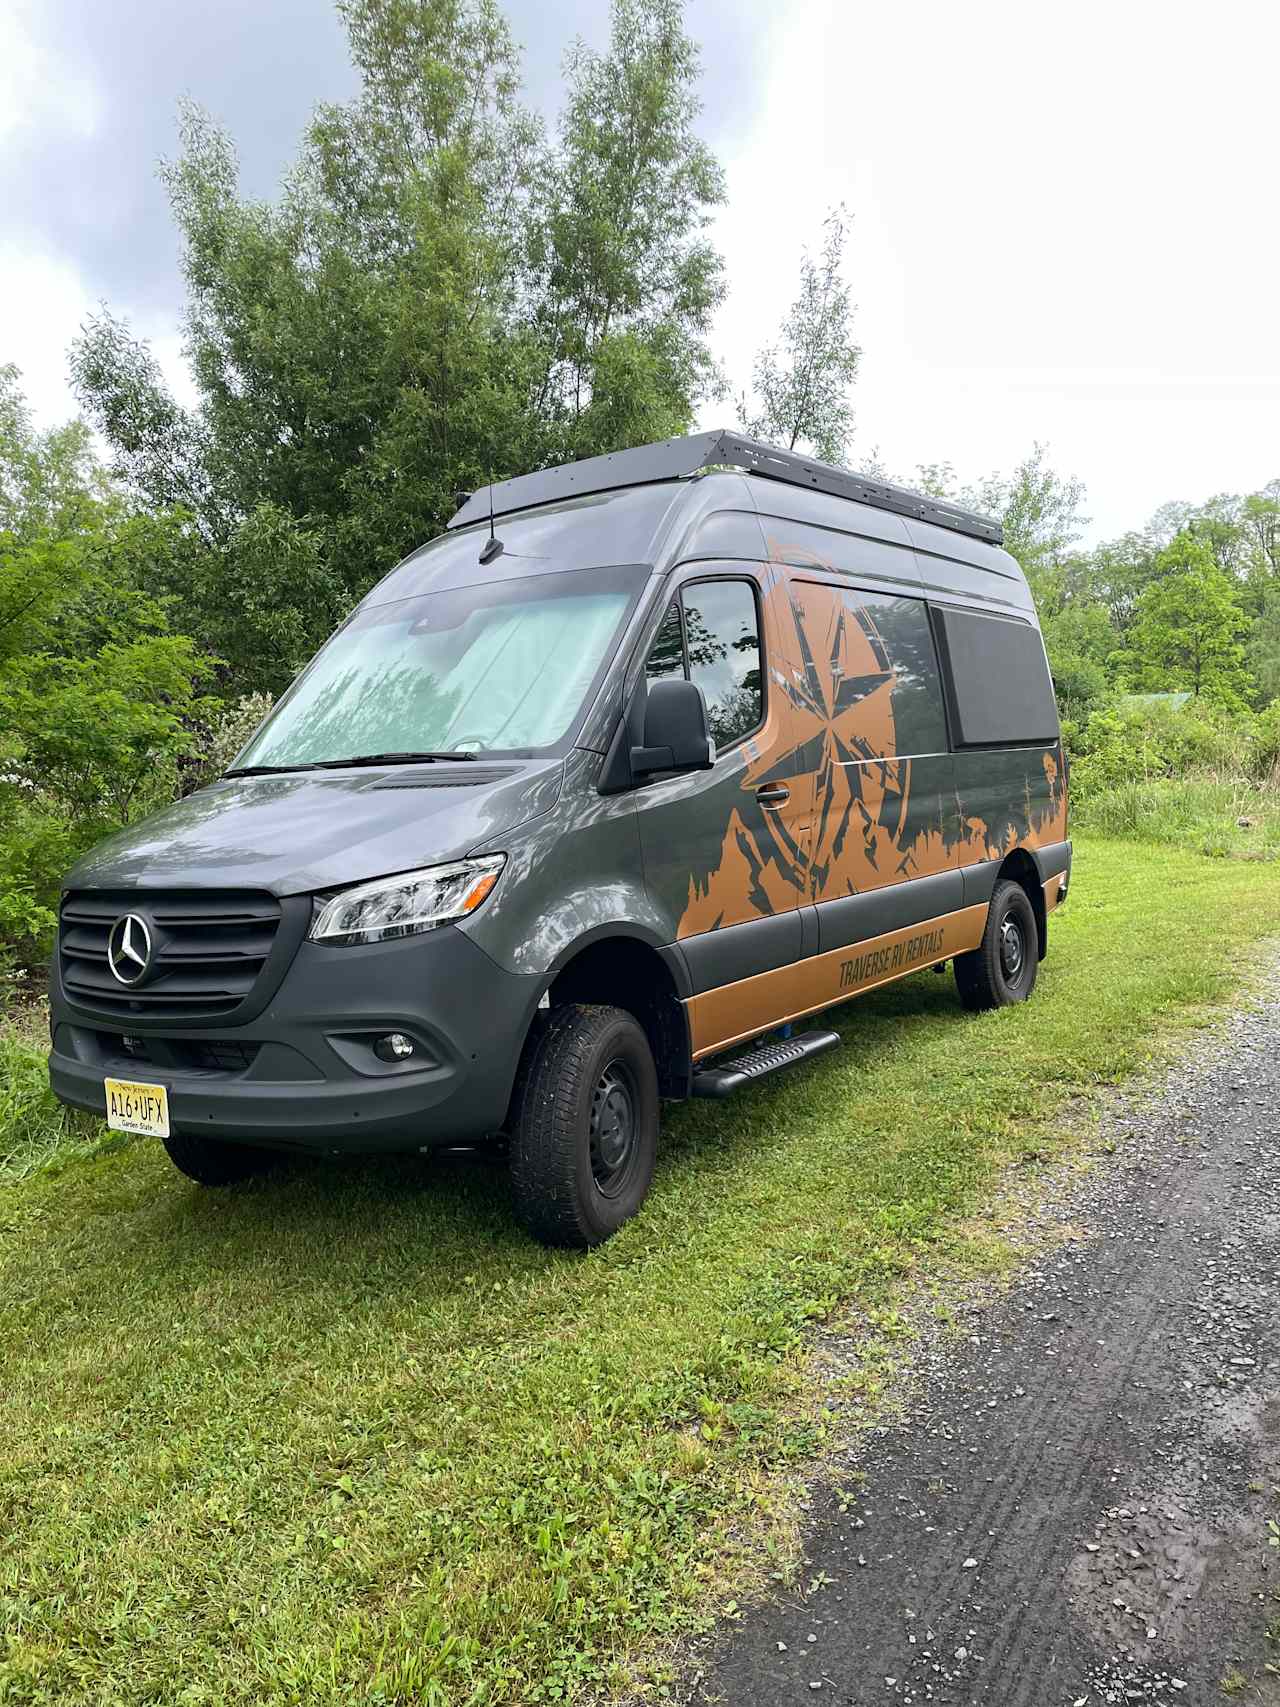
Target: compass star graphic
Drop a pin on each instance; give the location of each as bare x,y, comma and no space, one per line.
851,823
839,696
832,745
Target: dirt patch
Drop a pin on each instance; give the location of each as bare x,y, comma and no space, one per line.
1070,1504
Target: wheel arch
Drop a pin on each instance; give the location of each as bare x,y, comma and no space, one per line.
626,968
1020,867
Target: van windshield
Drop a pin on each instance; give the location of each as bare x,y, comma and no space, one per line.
504,667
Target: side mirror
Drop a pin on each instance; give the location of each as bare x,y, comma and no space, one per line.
675,730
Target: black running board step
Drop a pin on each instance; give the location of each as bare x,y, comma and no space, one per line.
759,1063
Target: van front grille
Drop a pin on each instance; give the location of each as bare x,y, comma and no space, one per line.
208,948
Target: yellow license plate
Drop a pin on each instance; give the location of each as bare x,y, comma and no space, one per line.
133,1107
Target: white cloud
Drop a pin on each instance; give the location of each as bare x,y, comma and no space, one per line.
43,297
35,89
43,302
1061,232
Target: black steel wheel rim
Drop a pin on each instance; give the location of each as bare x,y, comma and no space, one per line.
1013,948
612,1132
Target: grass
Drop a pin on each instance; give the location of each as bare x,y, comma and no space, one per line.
1219,817
36,1132
342,1435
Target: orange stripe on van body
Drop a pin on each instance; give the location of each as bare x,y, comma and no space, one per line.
739,1011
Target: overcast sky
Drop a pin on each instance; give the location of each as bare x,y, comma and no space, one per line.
1063,216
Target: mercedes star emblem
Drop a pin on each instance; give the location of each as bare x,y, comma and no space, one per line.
129,949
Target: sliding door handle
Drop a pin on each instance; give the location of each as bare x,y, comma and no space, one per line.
773,794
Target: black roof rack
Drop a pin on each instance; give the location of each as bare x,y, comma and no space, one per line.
677,459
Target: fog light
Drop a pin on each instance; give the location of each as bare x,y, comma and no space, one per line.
395,1046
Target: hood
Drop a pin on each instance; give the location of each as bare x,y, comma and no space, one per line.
295,833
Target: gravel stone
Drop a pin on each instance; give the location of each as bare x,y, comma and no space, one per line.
1109,1422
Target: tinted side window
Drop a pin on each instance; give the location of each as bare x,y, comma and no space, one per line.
903,626
999,681
666,656
717,646
872,670
722,638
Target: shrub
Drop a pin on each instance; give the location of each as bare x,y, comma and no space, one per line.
223,738
1134,741
1266,758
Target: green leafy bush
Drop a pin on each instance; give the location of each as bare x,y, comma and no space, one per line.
1132,740
1193,775
227,733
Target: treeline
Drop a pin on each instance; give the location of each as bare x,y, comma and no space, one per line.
1188,604
447,291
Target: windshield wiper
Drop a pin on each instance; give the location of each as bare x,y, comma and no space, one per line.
390,759
342,764
269,770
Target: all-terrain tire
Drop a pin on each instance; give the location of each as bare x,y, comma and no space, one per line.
1002,969
209,1161
584,1127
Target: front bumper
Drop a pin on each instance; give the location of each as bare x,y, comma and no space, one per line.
303,1075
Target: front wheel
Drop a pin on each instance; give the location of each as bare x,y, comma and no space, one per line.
585,1129
1002,969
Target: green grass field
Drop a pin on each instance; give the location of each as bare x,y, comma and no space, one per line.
343,1435
1215,816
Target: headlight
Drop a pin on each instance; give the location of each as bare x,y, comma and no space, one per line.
401,906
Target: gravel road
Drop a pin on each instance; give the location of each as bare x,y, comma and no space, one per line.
1074,1505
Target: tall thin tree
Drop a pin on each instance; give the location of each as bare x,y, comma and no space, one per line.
802,382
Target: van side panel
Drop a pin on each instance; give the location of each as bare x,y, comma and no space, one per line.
1010,782
1008,798
735,1012
882,765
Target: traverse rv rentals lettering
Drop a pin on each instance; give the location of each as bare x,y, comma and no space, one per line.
881,962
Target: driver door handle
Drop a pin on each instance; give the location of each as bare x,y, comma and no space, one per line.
773,794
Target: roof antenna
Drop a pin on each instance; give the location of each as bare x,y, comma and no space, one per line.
493,548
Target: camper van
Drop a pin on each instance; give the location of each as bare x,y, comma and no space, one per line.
595,801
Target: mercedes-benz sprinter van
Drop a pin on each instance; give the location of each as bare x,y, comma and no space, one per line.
586,805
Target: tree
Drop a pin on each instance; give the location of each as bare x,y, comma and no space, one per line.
1120,570
1040,512
441,295
802,383
1260,523
1264,648
1080,639
99,701
1188,626
625,279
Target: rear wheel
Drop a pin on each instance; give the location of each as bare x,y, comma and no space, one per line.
585,1125
1002,969
209,1161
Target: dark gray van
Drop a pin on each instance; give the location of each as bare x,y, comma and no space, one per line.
648,758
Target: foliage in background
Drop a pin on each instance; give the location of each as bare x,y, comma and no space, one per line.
227,733
443,294
99,700
1195,775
